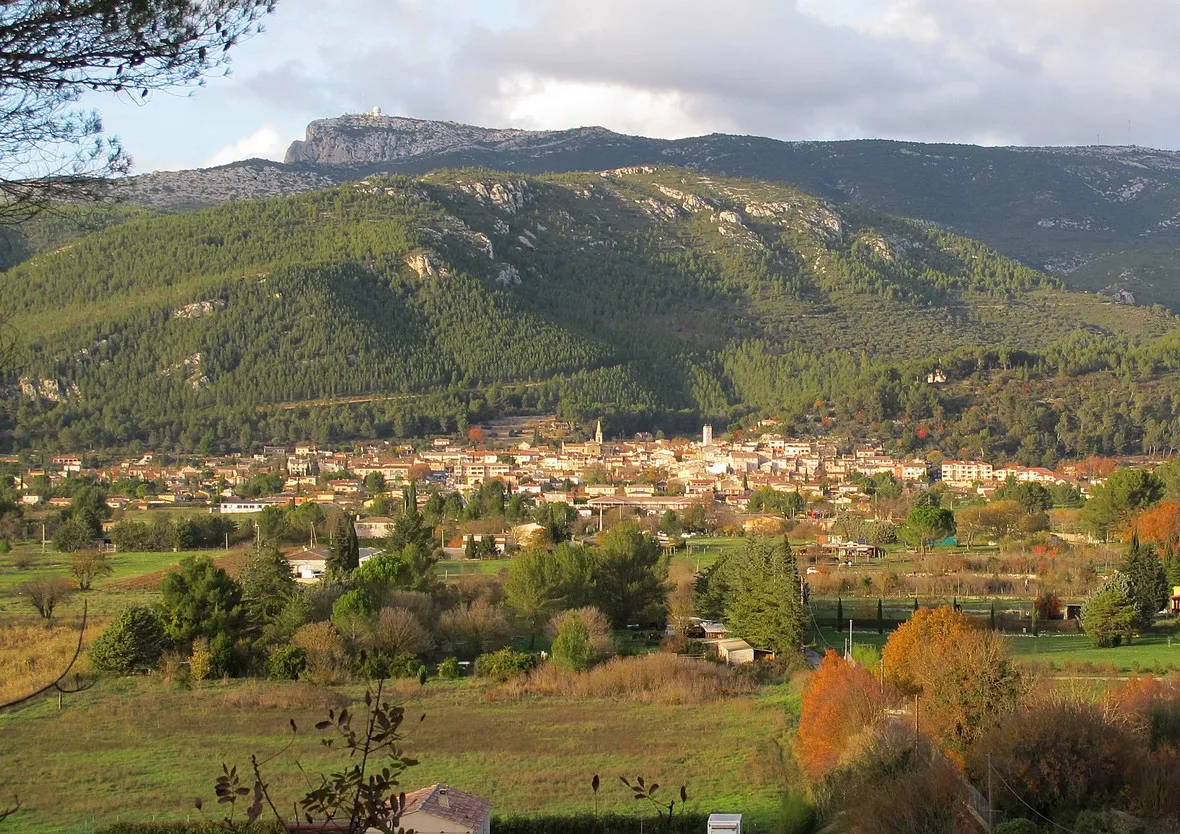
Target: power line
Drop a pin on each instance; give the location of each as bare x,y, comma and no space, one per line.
1004,782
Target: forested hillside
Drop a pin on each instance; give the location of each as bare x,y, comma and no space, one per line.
653,297
1103,217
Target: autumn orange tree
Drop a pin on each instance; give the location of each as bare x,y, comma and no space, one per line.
904,648
840,700
1159,524
962,675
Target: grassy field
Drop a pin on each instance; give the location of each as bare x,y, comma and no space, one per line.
1066,654
1149,652
134,579
138,749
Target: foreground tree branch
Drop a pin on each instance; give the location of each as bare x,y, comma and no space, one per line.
54,51
56,683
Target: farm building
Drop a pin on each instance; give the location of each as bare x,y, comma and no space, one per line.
439,809
735,650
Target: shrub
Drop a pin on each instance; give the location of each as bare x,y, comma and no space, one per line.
650,678
1150,708
200,663
373,666
221,651
417,603
398,631
602,639
475,628
173,668
886,788
286,663
1107,822
504,664
449,669
132,643
1016,826
1048,607
325,651
1059,757
571,649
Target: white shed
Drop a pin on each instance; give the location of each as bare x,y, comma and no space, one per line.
725,824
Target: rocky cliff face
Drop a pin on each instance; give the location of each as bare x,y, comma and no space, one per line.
371,139
252,179
1108,217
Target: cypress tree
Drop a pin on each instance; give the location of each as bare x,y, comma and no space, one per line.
915,604
1148,580
839,613
992,624
880,617
344,556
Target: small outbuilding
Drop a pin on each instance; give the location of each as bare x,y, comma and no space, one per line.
440,809
725,824
735,650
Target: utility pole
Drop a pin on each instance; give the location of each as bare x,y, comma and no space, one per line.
990,820
916,724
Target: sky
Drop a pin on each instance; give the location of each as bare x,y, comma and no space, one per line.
1020,72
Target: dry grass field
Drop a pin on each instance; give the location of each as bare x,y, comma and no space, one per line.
141,749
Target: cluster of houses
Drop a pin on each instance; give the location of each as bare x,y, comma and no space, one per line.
644,474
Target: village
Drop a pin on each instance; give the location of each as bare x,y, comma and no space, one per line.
641,477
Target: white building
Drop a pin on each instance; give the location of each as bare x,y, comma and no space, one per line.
237,506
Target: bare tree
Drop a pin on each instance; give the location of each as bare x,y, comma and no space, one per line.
681,607
54,51
398,631
46,593
88,565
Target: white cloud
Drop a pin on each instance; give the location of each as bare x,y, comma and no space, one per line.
533,103
267,142
1006,71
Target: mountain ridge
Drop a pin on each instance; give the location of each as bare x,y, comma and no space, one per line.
1106,217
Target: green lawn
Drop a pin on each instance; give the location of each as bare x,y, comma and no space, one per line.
455,568
1069,653
138,750
104,599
